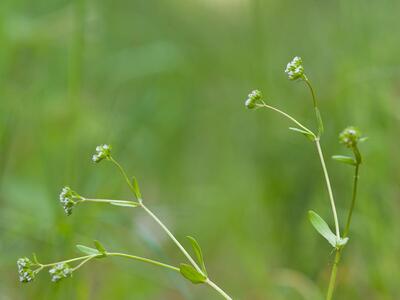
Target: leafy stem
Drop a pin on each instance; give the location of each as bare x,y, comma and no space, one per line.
136,192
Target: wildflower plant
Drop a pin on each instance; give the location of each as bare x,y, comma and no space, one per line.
350,137
194,271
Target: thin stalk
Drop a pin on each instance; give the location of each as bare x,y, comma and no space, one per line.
345,233
86,258
218,289
353,201
311,90
172,237
328,185
142,259
121,169
108,201
287,116
332,280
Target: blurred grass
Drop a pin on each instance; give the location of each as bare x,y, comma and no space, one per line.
164,83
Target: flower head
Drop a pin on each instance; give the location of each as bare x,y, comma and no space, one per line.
102,152
60,271
252,99
25,272
295,69
67,197
350,136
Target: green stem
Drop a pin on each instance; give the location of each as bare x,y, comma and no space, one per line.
121,169
108,201
287,116
345,233
328,185
315,104
353,201
333,274
311,90
172,237
142,259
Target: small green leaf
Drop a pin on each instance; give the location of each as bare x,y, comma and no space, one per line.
135,185
319,120
198,252
306,133
87,250
99,247
345,159
363,139
125,204
322,228
191,274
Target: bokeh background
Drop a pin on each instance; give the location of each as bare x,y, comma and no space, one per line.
164,82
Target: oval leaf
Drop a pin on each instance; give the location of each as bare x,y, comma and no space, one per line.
124,204
99,247
87,250
198,252
191,274
345,159
322,228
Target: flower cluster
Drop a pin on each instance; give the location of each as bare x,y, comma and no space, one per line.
60,271
26,274
252,99
295,69
350,136
67,197
103,151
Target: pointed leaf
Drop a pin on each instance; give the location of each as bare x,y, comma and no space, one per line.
136,188
87,250
198,252
306,133
125,204
322,228
191,274
99,247
345,159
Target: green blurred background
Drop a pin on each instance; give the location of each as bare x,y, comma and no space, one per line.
164,82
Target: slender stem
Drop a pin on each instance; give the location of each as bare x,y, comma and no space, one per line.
181,248
346,230
333,274
328,185
287,116
83,262
353,201
67,261
218,289
146,260
121,169
311,90
108,201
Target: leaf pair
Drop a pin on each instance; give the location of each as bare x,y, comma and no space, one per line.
323,229
188,271
100,250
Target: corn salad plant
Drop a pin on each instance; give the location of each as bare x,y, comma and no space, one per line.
350,137
195,271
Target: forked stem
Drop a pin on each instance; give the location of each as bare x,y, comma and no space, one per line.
168,232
